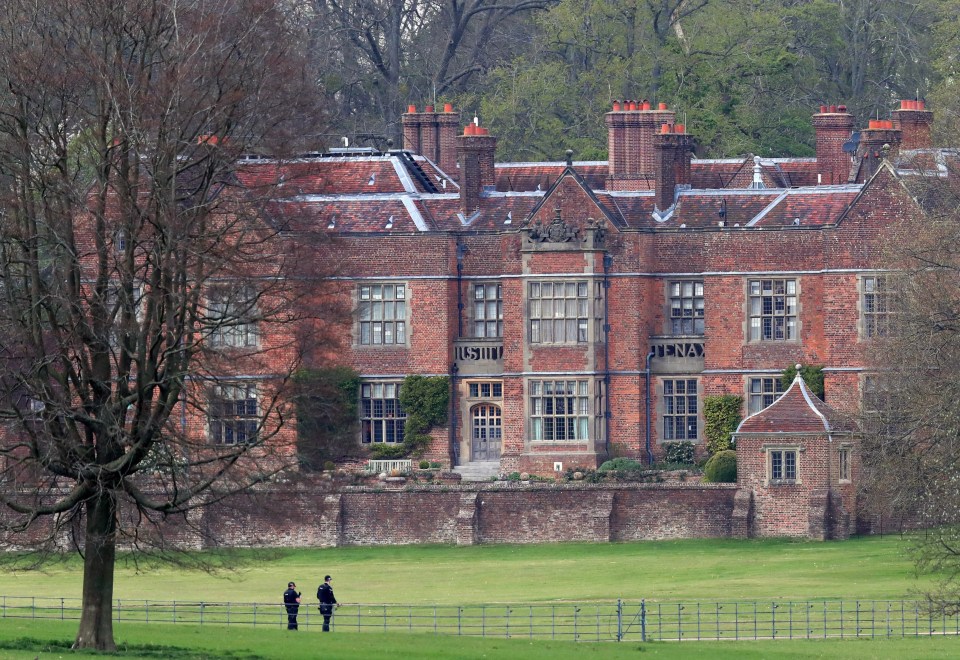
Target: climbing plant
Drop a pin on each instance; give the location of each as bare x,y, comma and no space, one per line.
425,400
326,404
721,415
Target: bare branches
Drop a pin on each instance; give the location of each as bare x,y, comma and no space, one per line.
147,318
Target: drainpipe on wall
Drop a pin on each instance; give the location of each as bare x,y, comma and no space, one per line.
607,413
454,445
454,369
647,410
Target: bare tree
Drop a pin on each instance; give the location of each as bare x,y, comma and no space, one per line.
413,49
911,445
144,349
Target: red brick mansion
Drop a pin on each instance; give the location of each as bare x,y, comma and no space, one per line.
585,309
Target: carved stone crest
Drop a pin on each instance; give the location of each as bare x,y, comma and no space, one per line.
557,231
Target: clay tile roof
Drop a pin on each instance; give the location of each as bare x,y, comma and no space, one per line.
332,176
797,410
516,177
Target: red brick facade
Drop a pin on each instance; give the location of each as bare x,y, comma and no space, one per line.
604,301
585,310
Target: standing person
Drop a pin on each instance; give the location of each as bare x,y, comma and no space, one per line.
327,601
291,600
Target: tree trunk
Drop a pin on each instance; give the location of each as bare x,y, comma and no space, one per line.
100,552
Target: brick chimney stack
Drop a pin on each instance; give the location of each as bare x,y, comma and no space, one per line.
879,133
833,126
476,150
631,126
914,121
672,148
433,135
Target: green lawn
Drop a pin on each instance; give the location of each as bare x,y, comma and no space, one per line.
704,570
193,643
862,568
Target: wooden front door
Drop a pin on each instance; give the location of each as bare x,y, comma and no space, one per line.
485,433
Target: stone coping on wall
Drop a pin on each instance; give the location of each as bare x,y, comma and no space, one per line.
531,486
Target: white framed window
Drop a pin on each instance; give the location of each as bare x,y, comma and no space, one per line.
782,465
559,312
680,409
488,310
232,311
686,307
119,302
875,293
382,309
232,413
762,392
843,464
382,418
773,309
559,410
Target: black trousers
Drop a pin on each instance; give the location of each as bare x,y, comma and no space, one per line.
292,616
327,612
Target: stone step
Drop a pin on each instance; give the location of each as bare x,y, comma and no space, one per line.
478,470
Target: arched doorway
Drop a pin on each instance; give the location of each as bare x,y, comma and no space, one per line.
485,433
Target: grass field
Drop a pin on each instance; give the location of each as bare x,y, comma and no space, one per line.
209,642
705,570
864,568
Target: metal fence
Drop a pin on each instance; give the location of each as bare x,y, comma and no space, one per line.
619,620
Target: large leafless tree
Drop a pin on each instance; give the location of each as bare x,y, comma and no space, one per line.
142,286
391,52
911,445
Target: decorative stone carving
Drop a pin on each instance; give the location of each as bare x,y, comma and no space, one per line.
561,235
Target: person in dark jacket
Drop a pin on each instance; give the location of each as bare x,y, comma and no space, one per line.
291,600
327,601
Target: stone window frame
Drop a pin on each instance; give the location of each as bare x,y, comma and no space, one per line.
367,324
669,408
232,315
756,311
784,451
579,417
674,291
497,300
875,304
387,420
777,390
479,384
537,320
844,463
233,413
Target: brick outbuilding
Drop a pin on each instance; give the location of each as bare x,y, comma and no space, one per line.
796,468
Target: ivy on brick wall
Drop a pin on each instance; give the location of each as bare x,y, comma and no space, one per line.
721,415
326,404
812,376
425,400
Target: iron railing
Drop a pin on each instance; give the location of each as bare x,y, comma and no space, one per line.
620,620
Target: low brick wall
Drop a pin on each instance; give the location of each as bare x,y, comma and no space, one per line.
467,514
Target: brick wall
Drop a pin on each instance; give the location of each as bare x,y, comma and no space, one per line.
512,513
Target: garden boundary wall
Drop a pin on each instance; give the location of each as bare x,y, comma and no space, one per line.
474,514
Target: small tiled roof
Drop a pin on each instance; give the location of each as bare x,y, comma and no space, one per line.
797,410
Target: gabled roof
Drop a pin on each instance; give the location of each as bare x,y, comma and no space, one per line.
797,410
560,188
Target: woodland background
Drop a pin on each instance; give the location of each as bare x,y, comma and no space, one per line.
743,75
